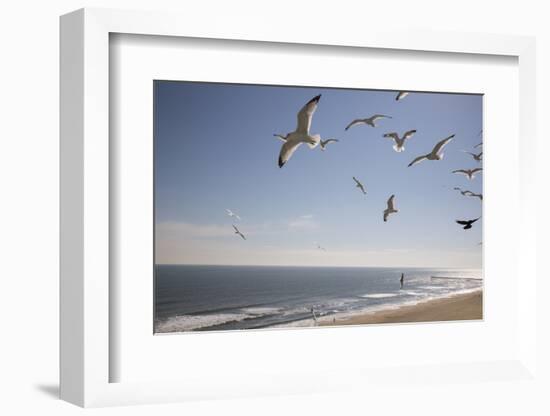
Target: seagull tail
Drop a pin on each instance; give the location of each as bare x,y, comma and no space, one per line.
398,149
314,141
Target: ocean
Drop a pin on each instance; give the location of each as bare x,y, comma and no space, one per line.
208,298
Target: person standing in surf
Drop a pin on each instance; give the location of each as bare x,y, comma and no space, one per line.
402,280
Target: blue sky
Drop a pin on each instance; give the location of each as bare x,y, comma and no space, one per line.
214,149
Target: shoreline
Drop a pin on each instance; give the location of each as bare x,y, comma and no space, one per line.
461,307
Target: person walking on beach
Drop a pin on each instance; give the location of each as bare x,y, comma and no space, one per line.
402,280
313,316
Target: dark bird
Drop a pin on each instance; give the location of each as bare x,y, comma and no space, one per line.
467,223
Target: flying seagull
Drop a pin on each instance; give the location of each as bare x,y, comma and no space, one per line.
465,193
470,173
399,143
480,196
467,223
301,135
480,134
468,193
323,143
319,247
232,214
435,154
401,95
477,157
371,121
239,233
359,185
390,209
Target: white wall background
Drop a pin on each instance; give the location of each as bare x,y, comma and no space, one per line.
29,205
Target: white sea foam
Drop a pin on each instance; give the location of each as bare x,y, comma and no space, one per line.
261,310
379,295
189,322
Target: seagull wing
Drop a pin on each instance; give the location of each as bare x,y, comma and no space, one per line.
281,137
390,203
331,141
401,95
355,122
305,115
409,134
479,144
236,229
392,135
378,116
439,146
287,150
417,160
464,172
461,222
476,170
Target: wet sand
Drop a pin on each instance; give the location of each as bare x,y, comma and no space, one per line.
461,307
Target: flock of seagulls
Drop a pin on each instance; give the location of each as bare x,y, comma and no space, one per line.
302,135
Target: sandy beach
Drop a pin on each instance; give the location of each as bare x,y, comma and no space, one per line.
460,307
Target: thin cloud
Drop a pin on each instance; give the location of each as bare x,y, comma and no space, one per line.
186,230
303,223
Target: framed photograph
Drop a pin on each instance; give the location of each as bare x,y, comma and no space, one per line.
297,196
321,242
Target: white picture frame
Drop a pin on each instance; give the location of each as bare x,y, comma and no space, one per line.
85,204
